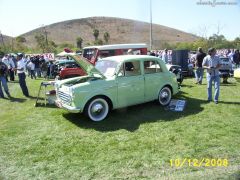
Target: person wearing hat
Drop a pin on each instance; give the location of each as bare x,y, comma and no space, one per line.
21,74
212,63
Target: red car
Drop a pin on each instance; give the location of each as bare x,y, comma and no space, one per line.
67,69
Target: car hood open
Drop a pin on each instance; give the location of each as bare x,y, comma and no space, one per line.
87,66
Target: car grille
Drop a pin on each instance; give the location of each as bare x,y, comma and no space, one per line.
65,98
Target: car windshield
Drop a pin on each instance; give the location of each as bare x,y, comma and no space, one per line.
89,53
225,59
107,67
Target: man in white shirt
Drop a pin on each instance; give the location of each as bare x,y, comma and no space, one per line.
212,63
10,64
165,56
21,74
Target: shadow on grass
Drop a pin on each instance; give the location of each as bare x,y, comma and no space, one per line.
227,102
228,84
19,100
132,117
186,85
14,82
45,106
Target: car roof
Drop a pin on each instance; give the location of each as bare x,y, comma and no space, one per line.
117,46
63,61
122,58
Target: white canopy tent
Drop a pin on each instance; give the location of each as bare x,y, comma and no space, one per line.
65,54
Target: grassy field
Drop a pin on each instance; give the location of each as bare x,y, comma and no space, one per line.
132,143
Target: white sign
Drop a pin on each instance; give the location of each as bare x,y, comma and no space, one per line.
49,56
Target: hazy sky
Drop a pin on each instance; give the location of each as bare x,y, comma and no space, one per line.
201,17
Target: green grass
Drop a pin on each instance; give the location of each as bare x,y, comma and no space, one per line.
132,143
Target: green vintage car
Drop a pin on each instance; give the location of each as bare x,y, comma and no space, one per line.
116,82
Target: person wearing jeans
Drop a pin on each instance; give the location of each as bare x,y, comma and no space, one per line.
199,70
21,75
210,80
212,63
3,80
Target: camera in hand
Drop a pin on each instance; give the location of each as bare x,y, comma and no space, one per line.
212,67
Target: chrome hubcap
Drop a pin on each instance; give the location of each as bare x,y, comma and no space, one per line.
164,97
97,108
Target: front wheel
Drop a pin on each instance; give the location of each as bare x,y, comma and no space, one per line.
165,96
97,109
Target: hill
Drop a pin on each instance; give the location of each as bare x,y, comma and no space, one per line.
120,30
5,40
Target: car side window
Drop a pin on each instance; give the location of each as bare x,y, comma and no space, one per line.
151,66
131,68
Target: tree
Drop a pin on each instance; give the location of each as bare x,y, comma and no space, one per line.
79,42
96,34
21,39
236,42
217,38
98,42
106,37
41,43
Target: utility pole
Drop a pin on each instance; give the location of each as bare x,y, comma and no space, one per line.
44,31
150,25
46,38
12,44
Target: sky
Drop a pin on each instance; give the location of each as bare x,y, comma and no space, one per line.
200,17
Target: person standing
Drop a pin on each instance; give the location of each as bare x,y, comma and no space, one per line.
3,80
198,65
21,74
31,65
10,64
212,63
37,66
165,56
236,58
44,68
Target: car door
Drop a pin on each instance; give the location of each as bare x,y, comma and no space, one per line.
154,79
130,82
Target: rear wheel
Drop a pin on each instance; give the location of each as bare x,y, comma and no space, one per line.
97,109
165,96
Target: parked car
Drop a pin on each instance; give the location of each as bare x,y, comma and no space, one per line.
225,69
176,69
116,82
237,74
67,68
93,53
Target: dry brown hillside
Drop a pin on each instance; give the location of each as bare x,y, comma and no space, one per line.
6,40
120,30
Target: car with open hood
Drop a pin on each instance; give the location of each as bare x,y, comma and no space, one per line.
116,82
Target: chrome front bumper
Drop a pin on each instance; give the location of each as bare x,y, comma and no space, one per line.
67,107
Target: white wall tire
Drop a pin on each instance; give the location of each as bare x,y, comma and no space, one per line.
97,109
165,96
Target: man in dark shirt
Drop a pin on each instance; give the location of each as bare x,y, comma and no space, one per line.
236,58
199,70
3,80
